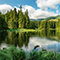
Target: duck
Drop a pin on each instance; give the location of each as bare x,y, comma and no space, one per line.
36,46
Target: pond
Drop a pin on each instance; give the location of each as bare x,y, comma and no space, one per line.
49,40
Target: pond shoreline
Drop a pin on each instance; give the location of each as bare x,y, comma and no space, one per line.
13,53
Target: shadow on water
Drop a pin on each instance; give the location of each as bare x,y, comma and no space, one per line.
27,40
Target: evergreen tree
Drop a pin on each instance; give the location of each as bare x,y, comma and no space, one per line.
21,18
7,19
11,19
27,19
14,24
0,21
3,24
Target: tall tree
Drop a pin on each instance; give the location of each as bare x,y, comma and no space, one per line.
3,24
11,19
7,17
14,19
0,21
21,18
27,19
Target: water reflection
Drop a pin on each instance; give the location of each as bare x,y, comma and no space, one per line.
27,40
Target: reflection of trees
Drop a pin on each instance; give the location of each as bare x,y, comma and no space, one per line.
43,33
11,38
48,33
22,38
17,38
51,34
58,35
2,36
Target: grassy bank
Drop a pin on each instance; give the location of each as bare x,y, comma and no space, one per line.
13,53
24,30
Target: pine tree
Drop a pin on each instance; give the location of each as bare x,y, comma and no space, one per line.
27,19
21,18
3,24
14,24
7,19
0,21
11,19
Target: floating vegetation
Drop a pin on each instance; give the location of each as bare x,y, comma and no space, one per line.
13,53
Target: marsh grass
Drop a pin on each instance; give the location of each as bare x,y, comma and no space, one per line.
13,53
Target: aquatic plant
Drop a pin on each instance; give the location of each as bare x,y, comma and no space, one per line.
43,55
13,53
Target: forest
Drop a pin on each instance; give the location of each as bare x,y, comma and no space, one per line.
19,20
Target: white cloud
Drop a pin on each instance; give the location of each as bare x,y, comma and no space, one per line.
4,8
33,14
43,14
57,11
31,10
45,4
36,14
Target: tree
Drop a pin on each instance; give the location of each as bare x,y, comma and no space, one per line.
7,17
21,18
14,24
3,24
27,19
0,21
11,19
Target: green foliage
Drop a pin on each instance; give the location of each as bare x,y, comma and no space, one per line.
43,55
13,53
14,22
34,25
49,24
43,25
3,24
27,19
20,20
14,19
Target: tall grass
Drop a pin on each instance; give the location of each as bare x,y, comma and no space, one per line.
13,53
43,55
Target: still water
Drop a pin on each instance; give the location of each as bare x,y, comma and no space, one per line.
49,40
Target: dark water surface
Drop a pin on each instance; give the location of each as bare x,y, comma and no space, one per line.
49,40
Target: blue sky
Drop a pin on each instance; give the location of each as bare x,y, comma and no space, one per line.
36,8
20,2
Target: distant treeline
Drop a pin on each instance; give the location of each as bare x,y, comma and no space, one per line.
52,24
19,20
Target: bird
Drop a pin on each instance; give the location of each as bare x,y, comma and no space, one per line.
36,46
